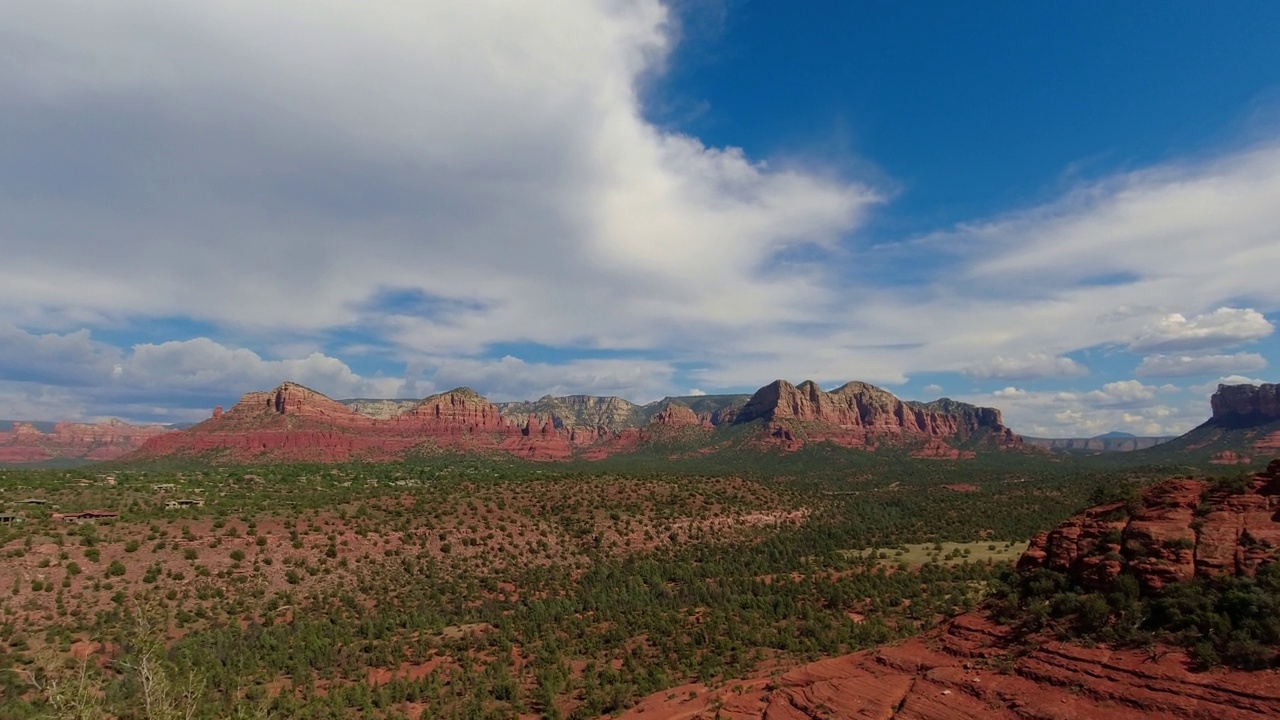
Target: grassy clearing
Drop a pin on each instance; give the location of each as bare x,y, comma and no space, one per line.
919,554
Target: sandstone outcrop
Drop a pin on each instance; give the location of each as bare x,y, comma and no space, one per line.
675,415
296,423
107,440
971,669
1179,530
859,415
1239,405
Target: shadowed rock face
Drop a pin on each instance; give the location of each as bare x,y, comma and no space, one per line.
1245,405
970,668
107,440
1181,529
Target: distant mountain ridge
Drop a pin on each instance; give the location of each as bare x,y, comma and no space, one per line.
296,423
1105,443
36,442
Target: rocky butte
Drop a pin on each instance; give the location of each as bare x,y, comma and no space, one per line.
858,415
295,423
1245,424
971,668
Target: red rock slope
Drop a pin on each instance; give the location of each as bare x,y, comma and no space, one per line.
295,423
1180,529
967,670
859,415
970,668
74,441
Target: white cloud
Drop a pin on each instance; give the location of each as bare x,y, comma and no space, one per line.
1031,365
1187,365
931,389
696,392
75,376
1224,326
1125,393
1126,406
29,401
289,171
284,166
1208,389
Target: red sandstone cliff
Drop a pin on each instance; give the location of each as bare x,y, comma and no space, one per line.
296,423
106,440
859,415
675,415
1180,529
972,669
1246,403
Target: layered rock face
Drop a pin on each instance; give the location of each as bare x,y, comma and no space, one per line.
1239,405
950,674
861,415
1181,529
380,409
107,440
577,411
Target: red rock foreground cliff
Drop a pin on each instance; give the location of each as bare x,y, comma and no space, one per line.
1178,530
973,669
24,443
296,423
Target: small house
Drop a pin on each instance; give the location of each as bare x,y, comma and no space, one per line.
86,516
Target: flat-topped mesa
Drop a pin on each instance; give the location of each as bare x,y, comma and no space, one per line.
858,405
1243,405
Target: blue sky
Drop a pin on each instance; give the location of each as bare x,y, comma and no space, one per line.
1067,211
